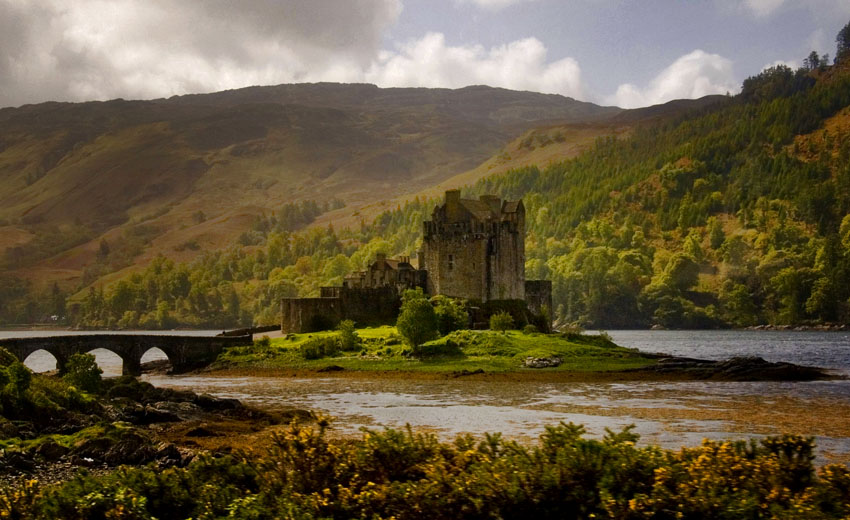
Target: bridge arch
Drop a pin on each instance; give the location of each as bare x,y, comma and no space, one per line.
40,360
156,353
111,362
183,352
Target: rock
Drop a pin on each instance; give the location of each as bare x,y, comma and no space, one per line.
51,450
156,415
201,431
466,372
7,429
183,410
13,461
533,362
208,402
26,429
750,368
132,448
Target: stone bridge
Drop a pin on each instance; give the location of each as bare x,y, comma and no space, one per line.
184,352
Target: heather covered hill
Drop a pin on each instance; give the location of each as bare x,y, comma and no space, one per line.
150,177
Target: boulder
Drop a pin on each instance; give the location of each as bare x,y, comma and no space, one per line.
546,362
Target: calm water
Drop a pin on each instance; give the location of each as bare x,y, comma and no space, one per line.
671,414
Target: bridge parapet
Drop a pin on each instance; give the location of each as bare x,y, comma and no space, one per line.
184,352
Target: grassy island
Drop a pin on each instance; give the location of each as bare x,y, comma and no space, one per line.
381,349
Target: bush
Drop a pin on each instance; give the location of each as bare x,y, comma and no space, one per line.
441,347
348,338
6,358
318,348
417,321
82,371
451,314
530,329
501,321
404,473
20,378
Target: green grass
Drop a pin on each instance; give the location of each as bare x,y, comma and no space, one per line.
382,349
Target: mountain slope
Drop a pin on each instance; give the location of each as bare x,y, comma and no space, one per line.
72,175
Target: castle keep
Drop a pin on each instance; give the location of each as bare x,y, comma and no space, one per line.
472,249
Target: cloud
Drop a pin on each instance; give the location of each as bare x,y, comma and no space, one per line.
519,65
824,11
492,5
692,76
762,8
99,49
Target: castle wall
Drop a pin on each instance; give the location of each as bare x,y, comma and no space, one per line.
456,258
363,306
538,295
370,306
507,280
309,314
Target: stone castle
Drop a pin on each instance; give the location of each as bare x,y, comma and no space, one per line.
472,249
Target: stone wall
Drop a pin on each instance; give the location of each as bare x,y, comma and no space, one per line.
309,314
457,261
538,296
475,258
364,306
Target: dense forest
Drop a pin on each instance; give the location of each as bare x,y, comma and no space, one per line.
734,215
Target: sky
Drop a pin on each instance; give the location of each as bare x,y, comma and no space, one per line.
611,52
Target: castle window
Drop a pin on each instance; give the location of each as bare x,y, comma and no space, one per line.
451,262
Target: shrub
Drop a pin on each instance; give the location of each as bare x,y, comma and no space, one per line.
417,321
501,321
318,348
348,338
413,475
451,314
441,347
82,371
529,329
20,378
6,358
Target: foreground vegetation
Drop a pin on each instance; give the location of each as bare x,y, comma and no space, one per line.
407,475
384,349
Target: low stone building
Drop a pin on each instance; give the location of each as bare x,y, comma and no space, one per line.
471,249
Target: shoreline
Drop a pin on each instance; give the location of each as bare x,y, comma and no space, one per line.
529,375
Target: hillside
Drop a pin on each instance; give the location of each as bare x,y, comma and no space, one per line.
151,177
724,211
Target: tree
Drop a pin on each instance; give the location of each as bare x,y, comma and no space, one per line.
417,321
716,236
812,62
348,338
501,321
451,314
82,371
842,41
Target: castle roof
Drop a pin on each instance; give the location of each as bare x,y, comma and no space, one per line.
511,206
479,209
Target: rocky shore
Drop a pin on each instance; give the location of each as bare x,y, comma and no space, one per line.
132,423
737,369
826,327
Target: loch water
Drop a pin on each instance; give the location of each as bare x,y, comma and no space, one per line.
671,414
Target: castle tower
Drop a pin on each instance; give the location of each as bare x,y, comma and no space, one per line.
475,249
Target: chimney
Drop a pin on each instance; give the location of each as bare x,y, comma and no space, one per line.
452,197
420,259
381,258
